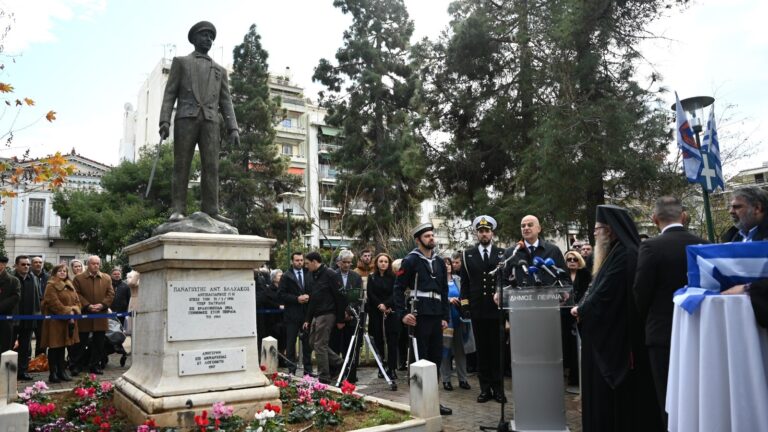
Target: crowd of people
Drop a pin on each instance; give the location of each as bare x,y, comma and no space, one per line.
70,346
444,307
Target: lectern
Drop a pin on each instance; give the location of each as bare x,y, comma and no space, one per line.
537,356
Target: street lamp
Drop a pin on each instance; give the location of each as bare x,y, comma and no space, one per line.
694,107
288,212
287,197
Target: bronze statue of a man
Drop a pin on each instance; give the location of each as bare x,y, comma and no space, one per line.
201,88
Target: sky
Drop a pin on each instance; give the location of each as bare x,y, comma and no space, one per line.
85,59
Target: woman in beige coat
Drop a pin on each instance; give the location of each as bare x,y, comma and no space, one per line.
60,298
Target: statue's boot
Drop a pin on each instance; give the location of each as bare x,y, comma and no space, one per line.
221,218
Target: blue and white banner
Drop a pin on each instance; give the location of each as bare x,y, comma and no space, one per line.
717,267
711,166
687,144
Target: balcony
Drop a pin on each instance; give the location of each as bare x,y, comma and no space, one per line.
54,232
327,148
292,130
328,174
328,206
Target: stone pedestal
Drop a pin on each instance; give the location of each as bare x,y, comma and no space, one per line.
194,335
424,396
269,354
14,417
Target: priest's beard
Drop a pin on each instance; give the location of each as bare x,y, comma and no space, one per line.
600,251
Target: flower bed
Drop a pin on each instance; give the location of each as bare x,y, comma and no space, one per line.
307,405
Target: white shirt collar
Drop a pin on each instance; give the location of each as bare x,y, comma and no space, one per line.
528,245
672,225
482,248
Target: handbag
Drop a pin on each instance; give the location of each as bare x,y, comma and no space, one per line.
447,337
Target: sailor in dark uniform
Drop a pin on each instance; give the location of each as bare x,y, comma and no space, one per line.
424,274
477,289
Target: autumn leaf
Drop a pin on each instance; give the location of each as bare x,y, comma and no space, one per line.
18,102
29,102
51,116
5,88
7,103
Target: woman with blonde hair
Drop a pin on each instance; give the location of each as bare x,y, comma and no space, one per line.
60,298
75,268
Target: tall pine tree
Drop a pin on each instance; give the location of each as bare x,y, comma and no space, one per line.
543,112
373,97
254,174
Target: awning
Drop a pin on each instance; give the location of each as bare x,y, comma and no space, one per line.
332,243
296,171
330,131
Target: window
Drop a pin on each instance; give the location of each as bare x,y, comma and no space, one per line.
287,123
287,149
36,212
760,178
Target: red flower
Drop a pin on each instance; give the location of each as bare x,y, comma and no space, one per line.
263,368
274,376
202,420
217,423
275,408
104,427
97,420
347,387
150,422
281,383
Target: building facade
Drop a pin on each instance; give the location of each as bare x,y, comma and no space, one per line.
33,228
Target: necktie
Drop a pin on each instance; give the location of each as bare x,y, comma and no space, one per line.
485,256
301,279
532,249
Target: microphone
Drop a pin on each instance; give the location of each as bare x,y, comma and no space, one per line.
549,262
514,251
541,263
524,265
533,270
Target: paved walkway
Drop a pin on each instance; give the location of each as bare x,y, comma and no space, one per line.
468,415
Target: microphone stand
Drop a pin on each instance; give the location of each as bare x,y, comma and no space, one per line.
503,425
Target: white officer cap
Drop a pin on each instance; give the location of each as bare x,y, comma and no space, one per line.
484,221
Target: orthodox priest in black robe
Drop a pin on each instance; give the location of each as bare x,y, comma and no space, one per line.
617,387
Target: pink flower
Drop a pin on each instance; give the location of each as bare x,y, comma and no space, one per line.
106,386
80,392
40,386
92,377
222,411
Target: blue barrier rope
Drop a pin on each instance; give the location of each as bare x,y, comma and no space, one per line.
63,317
93,316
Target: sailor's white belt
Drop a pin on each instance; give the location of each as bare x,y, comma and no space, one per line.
426,294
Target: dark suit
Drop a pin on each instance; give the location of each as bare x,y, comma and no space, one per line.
478,287
661,270
202,90
543,250
759,293
340,339
294,315
10,293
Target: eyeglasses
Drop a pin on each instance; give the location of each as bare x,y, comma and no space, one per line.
571,259
600,227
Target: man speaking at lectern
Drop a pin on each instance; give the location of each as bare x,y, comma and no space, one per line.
533,247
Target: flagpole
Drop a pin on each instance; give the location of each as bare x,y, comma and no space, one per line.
705,194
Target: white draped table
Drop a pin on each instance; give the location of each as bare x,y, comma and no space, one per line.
718,368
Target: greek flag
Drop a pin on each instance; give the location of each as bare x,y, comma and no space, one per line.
687,144
713,268
712,169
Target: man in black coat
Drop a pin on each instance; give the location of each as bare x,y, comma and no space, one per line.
324,312
293,291
662,270
29,304
533,246
9,302
477,290
748,209
351,289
